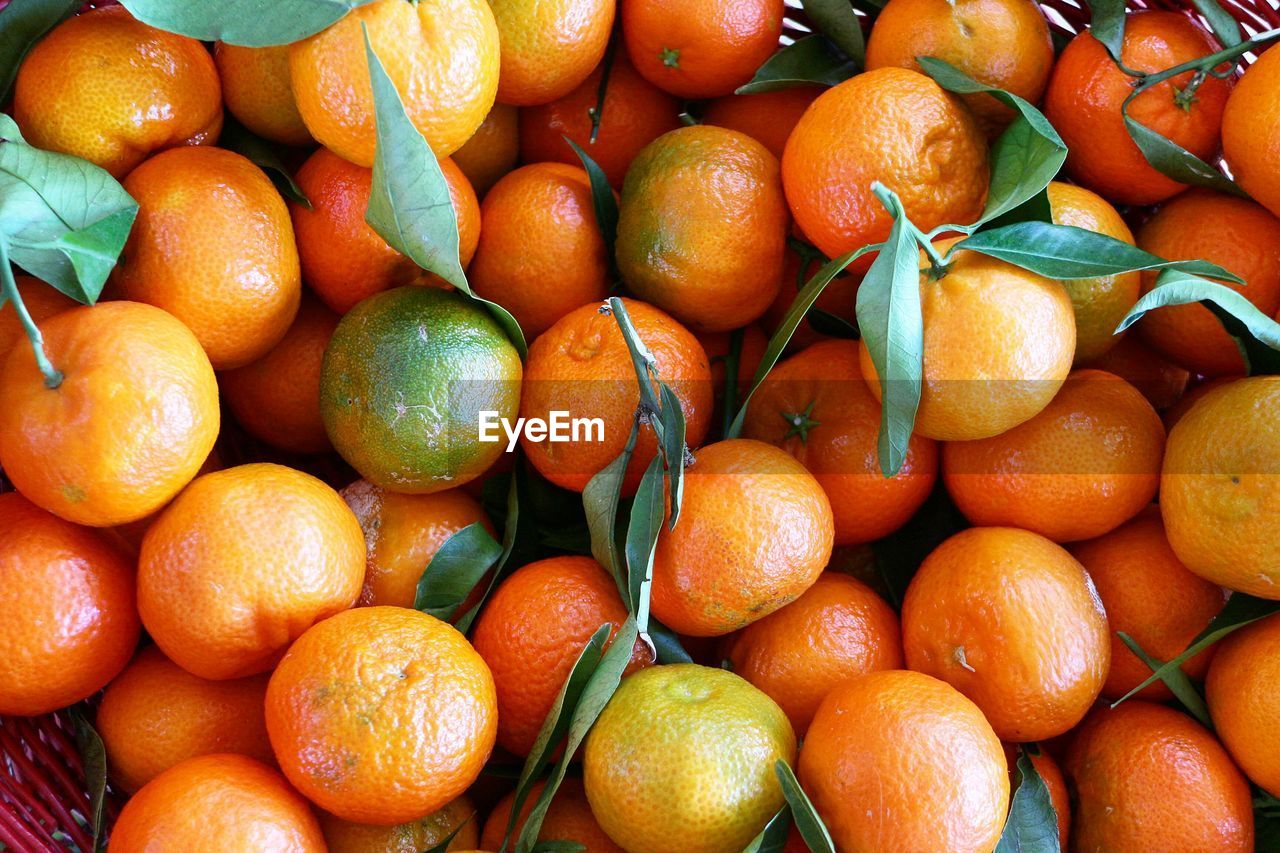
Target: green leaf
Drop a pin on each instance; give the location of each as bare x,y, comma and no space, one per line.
455,570
93,756
647,512
835,20
1171,159
1032,825
666,644
773,838
810,61
1225,27
1106,24
1175,679
811,827
1034,209
602,200
443,846
22,24
235,137
600,500
559,847
510,536
673,448
251,23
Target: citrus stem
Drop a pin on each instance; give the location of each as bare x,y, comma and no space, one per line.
1205,63
9,287
891,202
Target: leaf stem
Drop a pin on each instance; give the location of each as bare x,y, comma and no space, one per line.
9,287
1203,63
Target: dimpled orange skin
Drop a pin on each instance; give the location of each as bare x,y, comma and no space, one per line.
755,531
1236,234
442,56
836,437
998,344
1161,381
1002,43
890,125
257,91
217,802
767,117
243,562
569,818
837,630
548,48
1243,700
702,227
1087,89
492,150
1084,465
41,302
1217,489
700,48
381,714
1012,621
107,88
898,760
133,420
71,622
540,254
1251,130
458,816
1146,777
582,365
155,715
213,246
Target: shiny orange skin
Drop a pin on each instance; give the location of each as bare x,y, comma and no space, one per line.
1251,130
1243,701
582,365
1084,465
531,632
1087,89
112,90
700,48
424,833
243,562
568,818
998,344
541,254
635,113
213,246
1051,773
897,760
133,420
1012,621
381,714
1149,595
1146,777
891,125
767,117
1217,494
257,91
492,150
702,227
155,715
755,531
1236,234
71,623
1174,413
441,56
548,48
41,302
1002,43
1161,381
839,297
837,630
277,397
217,802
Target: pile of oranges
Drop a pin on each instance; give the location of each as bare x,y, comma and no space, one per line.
251,530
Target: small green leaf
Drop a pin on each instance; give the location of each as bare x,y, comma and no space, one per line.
251,23
773,838
1032,825
559,847
810,61
93,756
22,24
811,827
602,200
666,644
1171,159
1225,27
1034,209
510,536
835,20
235,137
673,448
443,846
1106,24
455,570
647,512
600,500
1175,679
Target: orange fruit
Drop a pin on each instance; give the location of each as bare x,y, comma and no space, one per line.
702,227
816,406
1160,381
1147,777
1099,303
213,246
381,714
837,629
897,760
70,623
1149,595
1241,693
890,125
725,564
1012,621
1251,130
1054,781
492,150
532,630
1002,43
442,58
582,365
767,117
541,253
112,90
1084,465
243,562
256,89
568,818
41,302
1221,511
839,297
1087,89
635,113
1174,413
155,715
548,48
1238,235
134,418
998,344
700,48
277,397
217,802
686,752
424,833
